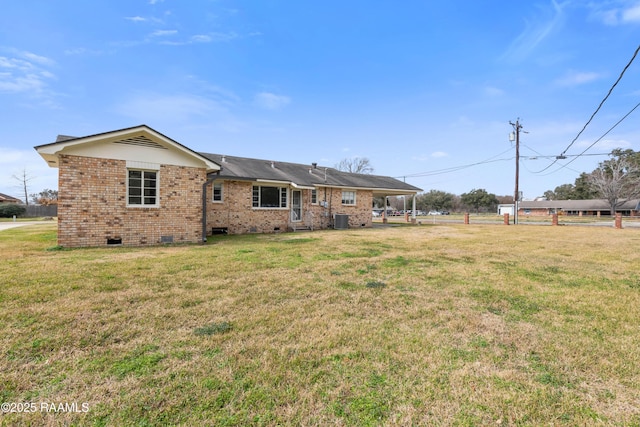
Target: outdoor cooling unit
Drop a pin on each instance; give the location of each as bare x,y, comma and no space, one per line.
341,222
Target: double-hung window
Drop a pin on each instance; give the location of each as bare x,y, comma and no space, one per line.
142,188
314,196
217,192
348,197
269,197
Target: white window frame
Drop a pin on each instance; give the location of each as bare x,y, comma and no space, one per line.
220,185
283,197
142,203
314,196
349,201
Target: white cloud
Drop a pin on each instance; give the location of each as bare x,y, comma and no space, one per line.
135,18
632,14
25,73
37,58
493,91
11,155
426,158
535,33
82,51
162,33
616,15
201,38
157,108
606,144
575,78
271,101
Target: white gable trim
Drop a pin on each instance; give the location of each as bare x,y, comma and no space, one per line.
127,144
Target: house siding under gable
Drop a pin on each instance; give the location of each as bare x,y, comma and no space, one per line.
93,204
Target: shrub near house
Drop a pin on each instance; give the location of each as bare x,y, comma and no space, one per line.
8,210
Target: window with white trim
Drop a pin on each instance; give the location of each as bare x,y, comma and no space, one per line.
269,197
314,196
142,188
348,197
217,192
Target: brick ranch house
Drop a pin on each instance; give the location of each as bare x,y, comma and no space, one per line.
136,186
594,207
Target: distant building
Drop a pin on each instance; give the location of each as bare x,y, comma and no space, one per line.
505,209
594,207
8,199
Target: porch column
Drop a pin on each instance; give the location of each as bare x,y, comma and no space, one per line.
413,210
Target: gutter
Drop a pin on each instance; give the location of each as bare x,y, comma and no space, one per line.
210,179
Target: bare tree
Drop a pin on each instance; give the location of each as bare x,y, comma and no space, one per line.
24,178
355,165
617,180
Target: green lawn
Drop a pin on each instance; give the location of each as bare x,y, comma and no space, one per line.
425,325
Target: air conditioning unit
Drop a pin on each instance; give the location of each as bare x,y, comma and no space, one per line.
341,222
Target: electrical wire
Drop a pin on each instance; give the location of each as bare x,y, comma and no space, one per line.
575,157
457,168
603,101
592,115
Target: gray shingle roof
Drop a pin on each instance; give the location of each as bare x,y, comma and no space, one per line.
305,175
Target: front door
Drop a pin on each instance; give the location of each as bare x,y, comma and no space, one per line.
296,206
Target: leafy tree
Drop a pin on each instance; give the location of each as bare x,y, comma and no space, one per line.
436,200
355,165
8,210
45,197
561,192
478,198
617,180
582,189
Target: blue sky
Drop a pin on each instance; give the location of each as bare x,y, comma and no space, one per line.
423,89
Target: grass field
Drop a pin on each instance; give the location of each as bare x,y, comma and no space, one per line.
426,325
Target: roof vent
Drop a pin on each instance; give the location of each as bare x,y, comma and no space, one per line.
224,159
315,165
273,164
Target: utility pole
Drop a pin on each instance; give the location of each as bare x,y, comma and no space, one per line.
515,135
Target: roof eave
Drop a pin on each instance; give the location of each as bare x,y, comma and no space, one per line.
49,152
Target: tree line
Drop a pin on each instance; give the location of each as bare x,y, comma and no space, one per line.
476,200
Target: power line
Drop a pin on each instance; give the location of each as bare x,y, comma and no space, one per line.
596,141
540,156
603,101
457,168
562,155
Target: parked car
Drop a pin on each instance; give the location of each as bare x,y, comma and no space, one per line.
434,213
375,213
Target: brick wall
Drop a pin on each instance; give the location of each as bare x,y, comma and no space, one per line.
360,214
238,216
92,206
